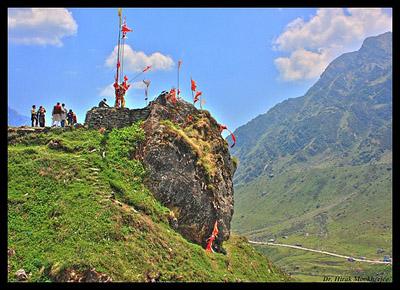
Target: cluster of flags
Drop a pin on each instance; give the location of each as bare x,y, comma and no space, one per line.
196,93
172,96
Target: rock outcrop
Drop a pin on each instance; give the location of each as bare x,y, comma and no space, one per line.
190,168
114,117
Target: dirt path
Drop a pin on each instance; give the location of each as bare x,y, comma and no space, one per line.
321,252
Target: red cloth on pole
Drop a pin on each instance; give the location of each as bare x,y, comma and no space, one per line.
172,96
146,68
196,96
211,239
193,85
125,28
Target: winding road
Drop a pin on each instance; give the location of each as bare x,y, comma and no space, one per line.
321,252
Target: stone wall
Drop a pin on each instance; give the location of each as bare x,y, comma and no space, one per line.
114,117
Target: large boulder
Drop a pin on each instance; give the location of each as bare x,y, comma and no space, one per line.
190,168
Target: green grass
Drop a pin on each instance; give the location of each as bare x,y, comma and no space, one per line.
346,210
61,216
200,142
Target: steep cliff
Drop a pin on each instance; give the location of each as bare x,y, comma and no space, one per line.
189,165
190,168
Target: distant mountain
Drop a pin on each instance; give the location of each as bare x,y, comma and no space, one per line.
345,118
317,169
16,119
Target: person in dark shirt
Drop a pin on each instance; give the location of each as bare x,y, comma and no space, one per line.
103,104
70,117
41,116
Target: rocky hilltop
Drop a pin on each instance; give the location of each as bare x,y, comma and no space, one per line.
190,168
136,202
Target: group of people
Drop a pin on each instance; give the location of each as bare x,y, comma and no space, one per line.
60,116
38,117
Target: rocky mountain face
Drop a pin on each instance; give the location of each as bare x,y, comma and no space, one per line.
344,119
190,169
189,164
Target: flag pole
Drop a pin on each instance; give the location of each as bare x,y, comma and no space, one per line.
119,42
122,55
191,89
179,66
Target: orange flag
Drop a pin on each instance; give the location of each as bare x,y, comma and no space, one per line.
211,239
196,96
193,85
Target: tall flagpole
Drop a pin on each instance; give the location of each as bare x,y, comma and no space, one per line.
119,40
122,53
179,67
118,63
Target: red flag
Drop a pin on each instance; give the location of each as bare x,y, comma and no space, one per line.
146,68
233,139
211,239
222,128
125,78
125,28
125,85
118,64
172,96
196,96
215,230
193,85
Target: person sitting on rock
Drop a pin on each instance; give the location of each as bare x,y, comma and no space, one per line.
103,104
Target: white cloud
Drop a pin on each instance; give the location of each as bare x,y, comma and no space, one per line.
135,61
313,44
40,26
109,91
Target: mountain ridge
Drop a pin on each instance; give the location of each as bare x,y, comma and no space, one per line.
317,170
303,114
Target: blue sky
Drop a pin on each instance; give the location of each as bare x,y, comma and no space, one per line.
243,60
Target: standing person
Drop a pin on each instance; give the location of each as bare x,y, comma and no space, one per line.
70,118
74,119
56,114
63,115
41,116
34,118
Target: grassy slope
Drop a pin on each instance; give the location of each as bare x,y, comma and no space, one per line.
343,209
61,215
